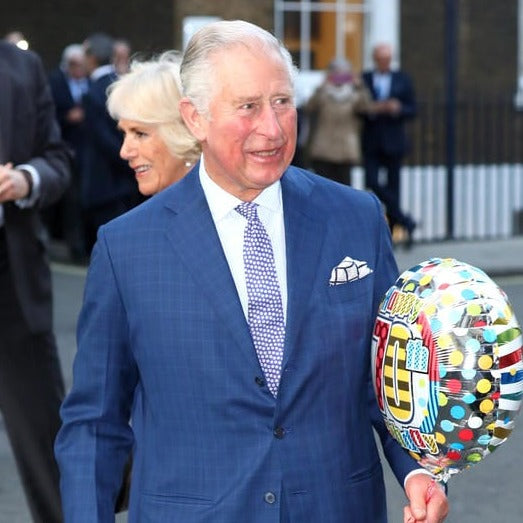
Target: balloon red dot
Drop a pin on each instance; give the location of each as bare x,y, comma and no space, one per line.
454,455
465,435
454,386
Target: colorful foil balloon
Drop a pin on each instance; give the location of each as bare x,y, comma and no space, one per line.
447,365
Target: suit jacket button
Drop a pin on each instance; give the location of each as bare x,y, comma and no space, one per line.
259,381
279,432
269,498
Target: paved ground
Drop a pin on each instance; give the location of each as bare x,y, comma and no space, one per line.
496,257
489,492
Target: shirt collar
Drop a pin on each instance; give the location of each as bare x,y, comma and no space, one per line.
221,203
103,70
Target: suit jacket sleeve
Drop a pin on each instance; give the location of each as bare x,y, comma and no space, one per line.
406,95
95,440
399,460
49,156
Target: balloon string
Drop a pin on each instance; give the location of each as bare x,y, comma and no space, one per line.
430,490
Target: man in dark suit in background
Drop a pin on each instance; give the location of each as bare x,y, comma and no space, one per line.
34,173
69,83
384,139
108,185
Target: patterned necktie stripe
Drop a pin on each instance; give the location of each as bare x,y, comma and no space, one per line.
265,309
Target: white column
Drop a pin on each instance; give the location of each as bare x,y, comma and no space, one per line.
518,99
382,25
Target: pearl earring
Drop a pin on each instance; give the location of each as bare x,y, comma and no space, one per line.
187,163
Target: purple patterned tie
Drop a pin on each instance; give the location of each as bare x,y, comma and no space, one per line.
265,309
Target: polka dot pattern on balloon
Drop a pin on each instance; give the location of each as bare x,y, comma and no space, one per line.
453,331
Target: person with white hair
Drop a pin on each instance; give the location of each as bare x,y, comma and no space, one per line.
220,338
69,83
156,143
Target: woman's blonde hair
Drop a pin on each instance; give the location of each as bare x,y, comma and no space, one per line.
149,93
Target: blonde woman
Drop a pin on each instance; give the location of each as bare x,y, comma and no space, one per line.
157,145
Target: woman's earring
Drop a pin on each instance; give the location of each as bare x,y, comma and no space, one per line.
188,163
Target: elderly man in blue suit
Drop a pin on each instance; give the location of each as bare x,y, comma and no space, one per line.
230,319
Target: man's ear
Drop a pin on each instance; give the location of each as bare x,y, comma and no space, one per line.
195,122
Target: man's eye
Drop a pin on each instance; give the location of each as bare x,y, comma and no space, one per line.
248,106
285,100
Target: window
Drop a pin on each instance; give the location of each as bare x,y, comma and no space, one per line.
317,31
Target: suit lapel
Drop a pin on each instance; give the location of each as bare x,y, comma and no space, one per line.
192,234
394,78
304,236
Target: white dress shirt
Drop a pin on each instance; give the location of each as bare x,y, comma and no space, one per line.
382,83
231,226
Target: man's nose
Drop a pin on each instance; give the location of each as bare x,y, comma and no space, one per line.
269,122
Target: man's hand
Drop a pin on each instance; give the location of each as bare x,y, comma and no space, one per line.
75,115
13,184
391,106
428,502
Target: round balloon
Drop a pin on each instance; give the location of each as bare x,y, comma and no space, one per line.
447,364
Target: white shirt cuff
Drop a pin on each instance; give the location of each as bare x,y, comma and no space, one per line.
417,471
35,193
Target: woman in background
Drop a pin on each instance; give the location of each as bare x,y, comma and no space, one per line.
335,128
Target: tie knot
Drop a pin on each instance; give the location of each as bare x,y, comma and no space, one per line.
248,210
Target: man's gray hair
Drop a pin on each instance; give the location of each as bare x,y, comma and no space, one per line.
71,52
197,68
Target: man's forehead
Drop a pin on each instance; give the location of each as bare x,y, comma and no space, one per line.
226,55
231,69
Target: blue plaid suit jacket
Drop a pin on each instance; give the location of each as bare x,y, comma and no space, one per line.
162,340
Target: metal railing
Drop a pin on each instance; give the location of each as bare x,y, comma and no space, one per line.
487,178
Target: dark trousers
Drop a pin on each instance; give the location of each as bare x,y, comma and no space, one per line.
389,193
31,391
339,172
64,220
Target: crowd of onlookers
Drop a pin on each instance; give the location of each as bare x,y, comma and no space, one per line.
351,119
102,185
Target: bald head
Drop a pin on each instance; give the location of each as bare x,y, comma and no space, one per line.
382,56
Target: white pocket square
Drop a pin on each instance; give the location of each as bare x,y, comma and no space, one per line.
349,270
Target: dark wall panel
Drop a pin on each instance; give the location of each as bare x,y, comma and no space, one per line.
51,25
